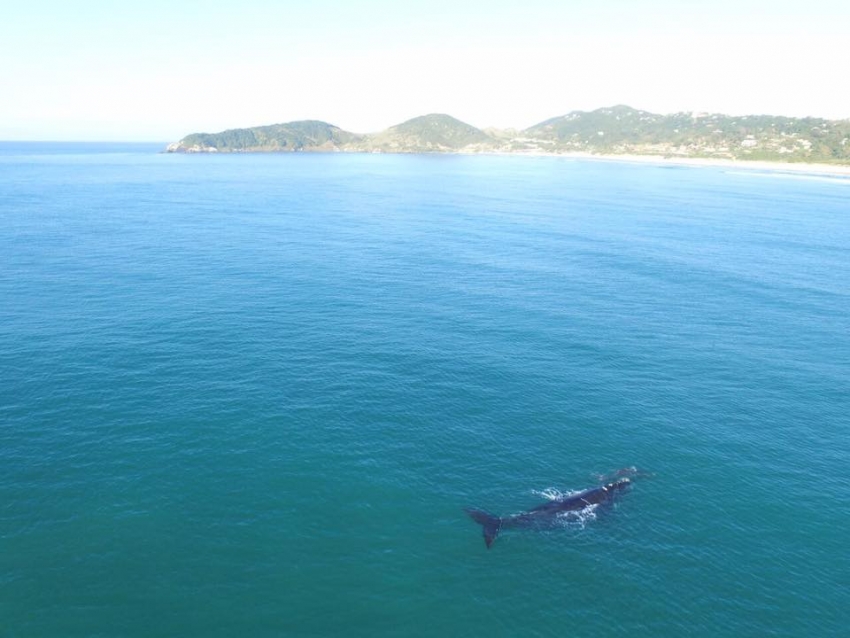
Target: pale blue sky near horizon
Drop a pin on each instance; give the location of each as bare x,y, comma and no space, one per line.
155,71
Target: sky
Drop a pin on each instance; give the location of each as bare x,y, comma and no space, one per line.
158,70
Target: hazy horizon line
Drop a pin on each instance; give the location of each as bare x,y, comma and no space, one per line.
164,140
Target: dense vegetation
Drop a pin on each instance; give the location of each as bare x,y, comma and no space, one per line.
622,129
294,136
433,132
615,130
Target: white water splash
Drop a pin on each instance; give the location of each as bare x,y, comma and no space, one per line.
554,494
578,518
550,493
572,518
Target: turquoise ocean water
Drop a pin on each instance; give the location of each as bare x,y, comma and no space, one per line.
250,395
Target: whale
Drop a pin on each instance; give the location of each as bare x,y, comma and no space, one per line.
547,514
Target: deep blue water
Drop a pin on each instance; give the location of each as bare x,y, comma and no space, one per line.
252,394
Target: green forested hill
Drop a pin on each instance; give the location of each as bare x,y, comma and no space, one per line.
293,136
613,130
621,129
435,132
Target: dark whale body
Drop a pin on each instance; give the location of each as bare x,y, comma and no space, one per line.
545,515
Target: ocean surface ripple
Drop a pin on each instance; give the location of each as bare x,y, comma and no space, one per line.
252,394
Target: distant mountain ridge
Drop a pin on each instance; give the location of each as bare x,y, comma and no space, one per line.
612,130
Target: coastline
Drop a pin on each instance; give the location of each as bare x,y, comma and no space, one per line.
757,165
800,168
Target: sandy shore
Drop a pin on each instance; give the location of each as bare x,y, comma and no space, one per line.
781,167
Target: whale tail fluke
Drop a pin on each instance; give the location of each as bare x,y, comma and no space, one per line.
491,524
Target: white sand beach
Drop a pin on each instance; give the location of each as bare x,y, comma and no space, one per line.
782,167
